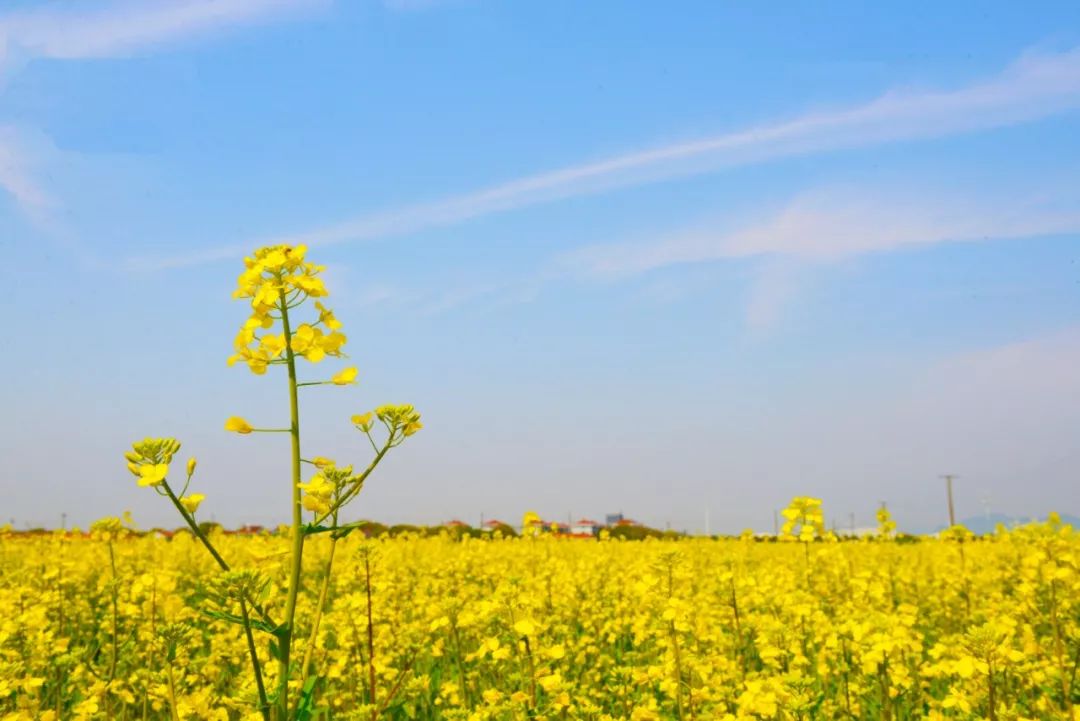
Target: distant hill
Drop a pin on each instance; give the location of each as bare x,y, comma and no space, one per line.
980,525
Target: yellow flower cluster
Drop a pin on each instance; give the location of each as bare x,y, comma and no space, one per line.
886,524
326,485
149,459
803,519
542,628
277,279
403,418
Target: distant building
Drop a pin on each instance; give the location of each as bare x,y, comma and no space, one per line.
585,527
612,519
491,525
455,523
244,531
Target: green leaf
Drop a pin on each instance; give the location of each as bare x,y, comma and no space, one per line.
305,707
256,623
224,616
343,531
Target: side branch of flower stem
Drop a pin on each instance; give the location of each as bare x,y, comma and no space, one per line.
256,668
358,483
264,704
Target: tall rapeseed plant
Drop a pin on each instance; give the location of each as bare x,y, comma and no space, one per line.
280,285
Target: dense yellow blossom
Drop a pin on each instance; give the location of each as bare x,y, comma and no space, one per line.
277,279
542,628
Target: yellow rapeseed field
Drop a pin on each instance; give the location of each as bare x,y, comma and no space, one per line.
316,622
127,626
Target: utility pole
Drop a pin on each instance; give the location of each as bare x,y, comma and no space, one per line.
775,523
851,518
63,521
948,488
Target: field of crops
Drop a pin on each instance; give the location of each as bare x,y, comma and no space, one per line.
131,627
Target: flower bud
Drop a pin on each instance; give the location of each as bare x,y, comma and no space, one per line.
191,466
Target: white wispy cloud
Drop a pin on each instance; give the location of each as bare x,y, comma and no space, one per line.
835,223
1033,87
825,226
119,28
103,29
17,175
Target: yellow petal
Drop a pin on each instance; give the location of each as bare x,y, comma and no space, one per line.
191,503
152,475
237,424
345,377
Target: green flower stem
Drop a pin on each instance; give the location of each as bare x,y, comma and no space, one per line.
359,483
115,611
323,592
282,699
183,491
370,630
264,705
256,668
190,520
174,713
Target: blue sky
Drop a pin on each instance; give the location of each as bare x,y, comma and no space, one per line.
622,256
